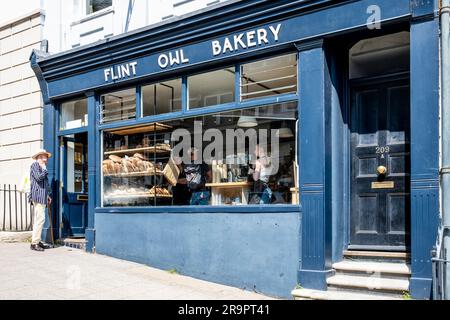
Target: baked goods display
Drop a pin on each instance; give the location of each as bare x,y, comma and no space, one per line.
129,166
126,192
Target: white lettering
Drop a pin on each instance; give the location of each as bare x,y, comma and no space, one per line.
107,74
275,31
262,36
133,66
250,37
217,49
183,59
125,70
113,76
227,46
174,60
163,61
238,41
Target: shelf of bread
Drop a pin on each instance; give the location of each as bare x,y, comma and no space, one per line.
143,129
137,193
158,148
134,166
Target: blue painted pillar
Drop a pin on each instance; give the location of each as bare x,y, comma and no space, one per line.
424,152
51,145
315,99
92,170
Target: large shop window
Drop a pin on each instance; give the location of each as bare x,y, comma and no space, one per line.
160,98
269,77
211,88
119,105
74,114
232,158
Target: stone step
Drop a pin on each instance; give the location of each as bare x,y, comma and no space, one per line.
308,294
369,283
76,243
400,269
377,254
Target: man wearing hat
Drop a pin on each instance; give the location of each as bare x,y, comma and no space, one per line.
40,193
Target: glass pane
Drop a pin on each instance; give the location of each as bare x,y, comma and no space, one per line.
119,105
97,5
269,77
212,88
161,98
74,114
380,55
74,167
155,165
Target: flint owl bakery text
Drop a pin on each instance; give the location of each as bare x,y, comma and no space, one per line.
235,43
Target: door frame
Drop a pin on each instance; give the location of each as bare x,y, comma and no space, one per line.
62,172
353,83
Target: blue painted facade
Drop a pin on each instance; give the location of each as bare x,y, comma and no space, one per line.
269,249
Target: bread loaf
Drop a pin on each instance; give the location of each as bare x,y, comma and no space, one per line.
115,158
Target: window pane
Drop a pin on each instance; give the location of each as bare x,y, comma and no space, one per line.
212,88
97,5
269,77
120,105
149,166
161,98
74,114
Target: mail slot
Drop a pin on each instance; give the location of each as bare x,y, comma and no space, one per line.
383,185
82,197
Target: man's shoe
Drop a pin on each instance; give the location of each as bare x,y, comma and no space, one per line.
36,247
44,245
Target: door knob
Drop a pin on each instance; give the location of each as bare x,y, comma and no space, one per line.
381,170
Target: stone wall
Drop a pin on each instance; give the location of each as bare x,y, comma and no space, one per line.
21,116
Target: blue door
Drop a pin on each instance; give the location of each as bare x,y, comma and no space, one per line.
380,145
75,185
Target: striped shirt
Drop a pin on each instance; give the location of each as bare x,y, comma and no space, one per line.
40,188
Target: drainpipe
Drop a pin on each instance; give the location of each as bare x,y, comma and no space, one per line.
445,170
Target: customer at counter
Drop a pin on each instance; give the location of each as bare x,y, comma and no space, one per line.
181,192
197,176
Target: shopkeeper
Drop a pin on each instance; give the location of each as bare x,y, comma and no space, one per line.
197,176
261,175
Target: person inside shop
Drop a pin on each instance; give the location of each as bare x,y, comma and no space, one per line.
181,192
197,176
261,172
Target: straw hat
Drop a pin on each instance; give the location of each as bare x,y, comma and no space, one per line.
41,151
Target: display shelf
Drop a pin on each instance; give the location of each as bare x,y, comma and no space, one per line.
135,174
136,196
153,149
228,184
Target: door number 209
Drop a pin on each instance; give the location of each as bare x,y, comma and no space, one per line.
382,150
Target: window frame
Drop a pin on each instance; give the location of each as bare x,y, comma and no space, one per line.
185,112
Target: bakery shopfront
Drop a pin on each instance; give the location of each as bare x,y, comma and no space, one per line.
254,143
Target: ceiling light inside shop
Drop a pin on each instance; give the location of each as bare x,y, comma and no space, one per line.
247,122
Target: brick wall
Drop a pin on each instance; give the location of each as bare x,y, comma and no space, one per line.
21,118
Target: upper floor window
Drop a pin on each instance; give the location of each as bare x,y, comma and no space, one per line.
97,5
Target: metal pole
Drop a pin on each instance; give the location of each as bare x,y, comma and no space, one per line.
445,170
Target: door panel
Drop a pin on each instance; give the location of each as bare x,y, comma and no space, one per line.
380,123
75,202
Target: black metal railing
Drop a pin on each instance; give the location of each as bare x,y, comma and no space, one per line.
15,211
439,264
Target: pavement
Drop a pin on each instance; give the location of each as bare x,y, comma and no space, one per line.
65,273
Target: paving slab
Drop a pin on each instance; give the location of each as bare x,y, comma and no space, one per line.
66,273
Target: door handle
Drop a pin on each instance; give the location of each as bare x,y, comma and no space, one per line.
381,170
